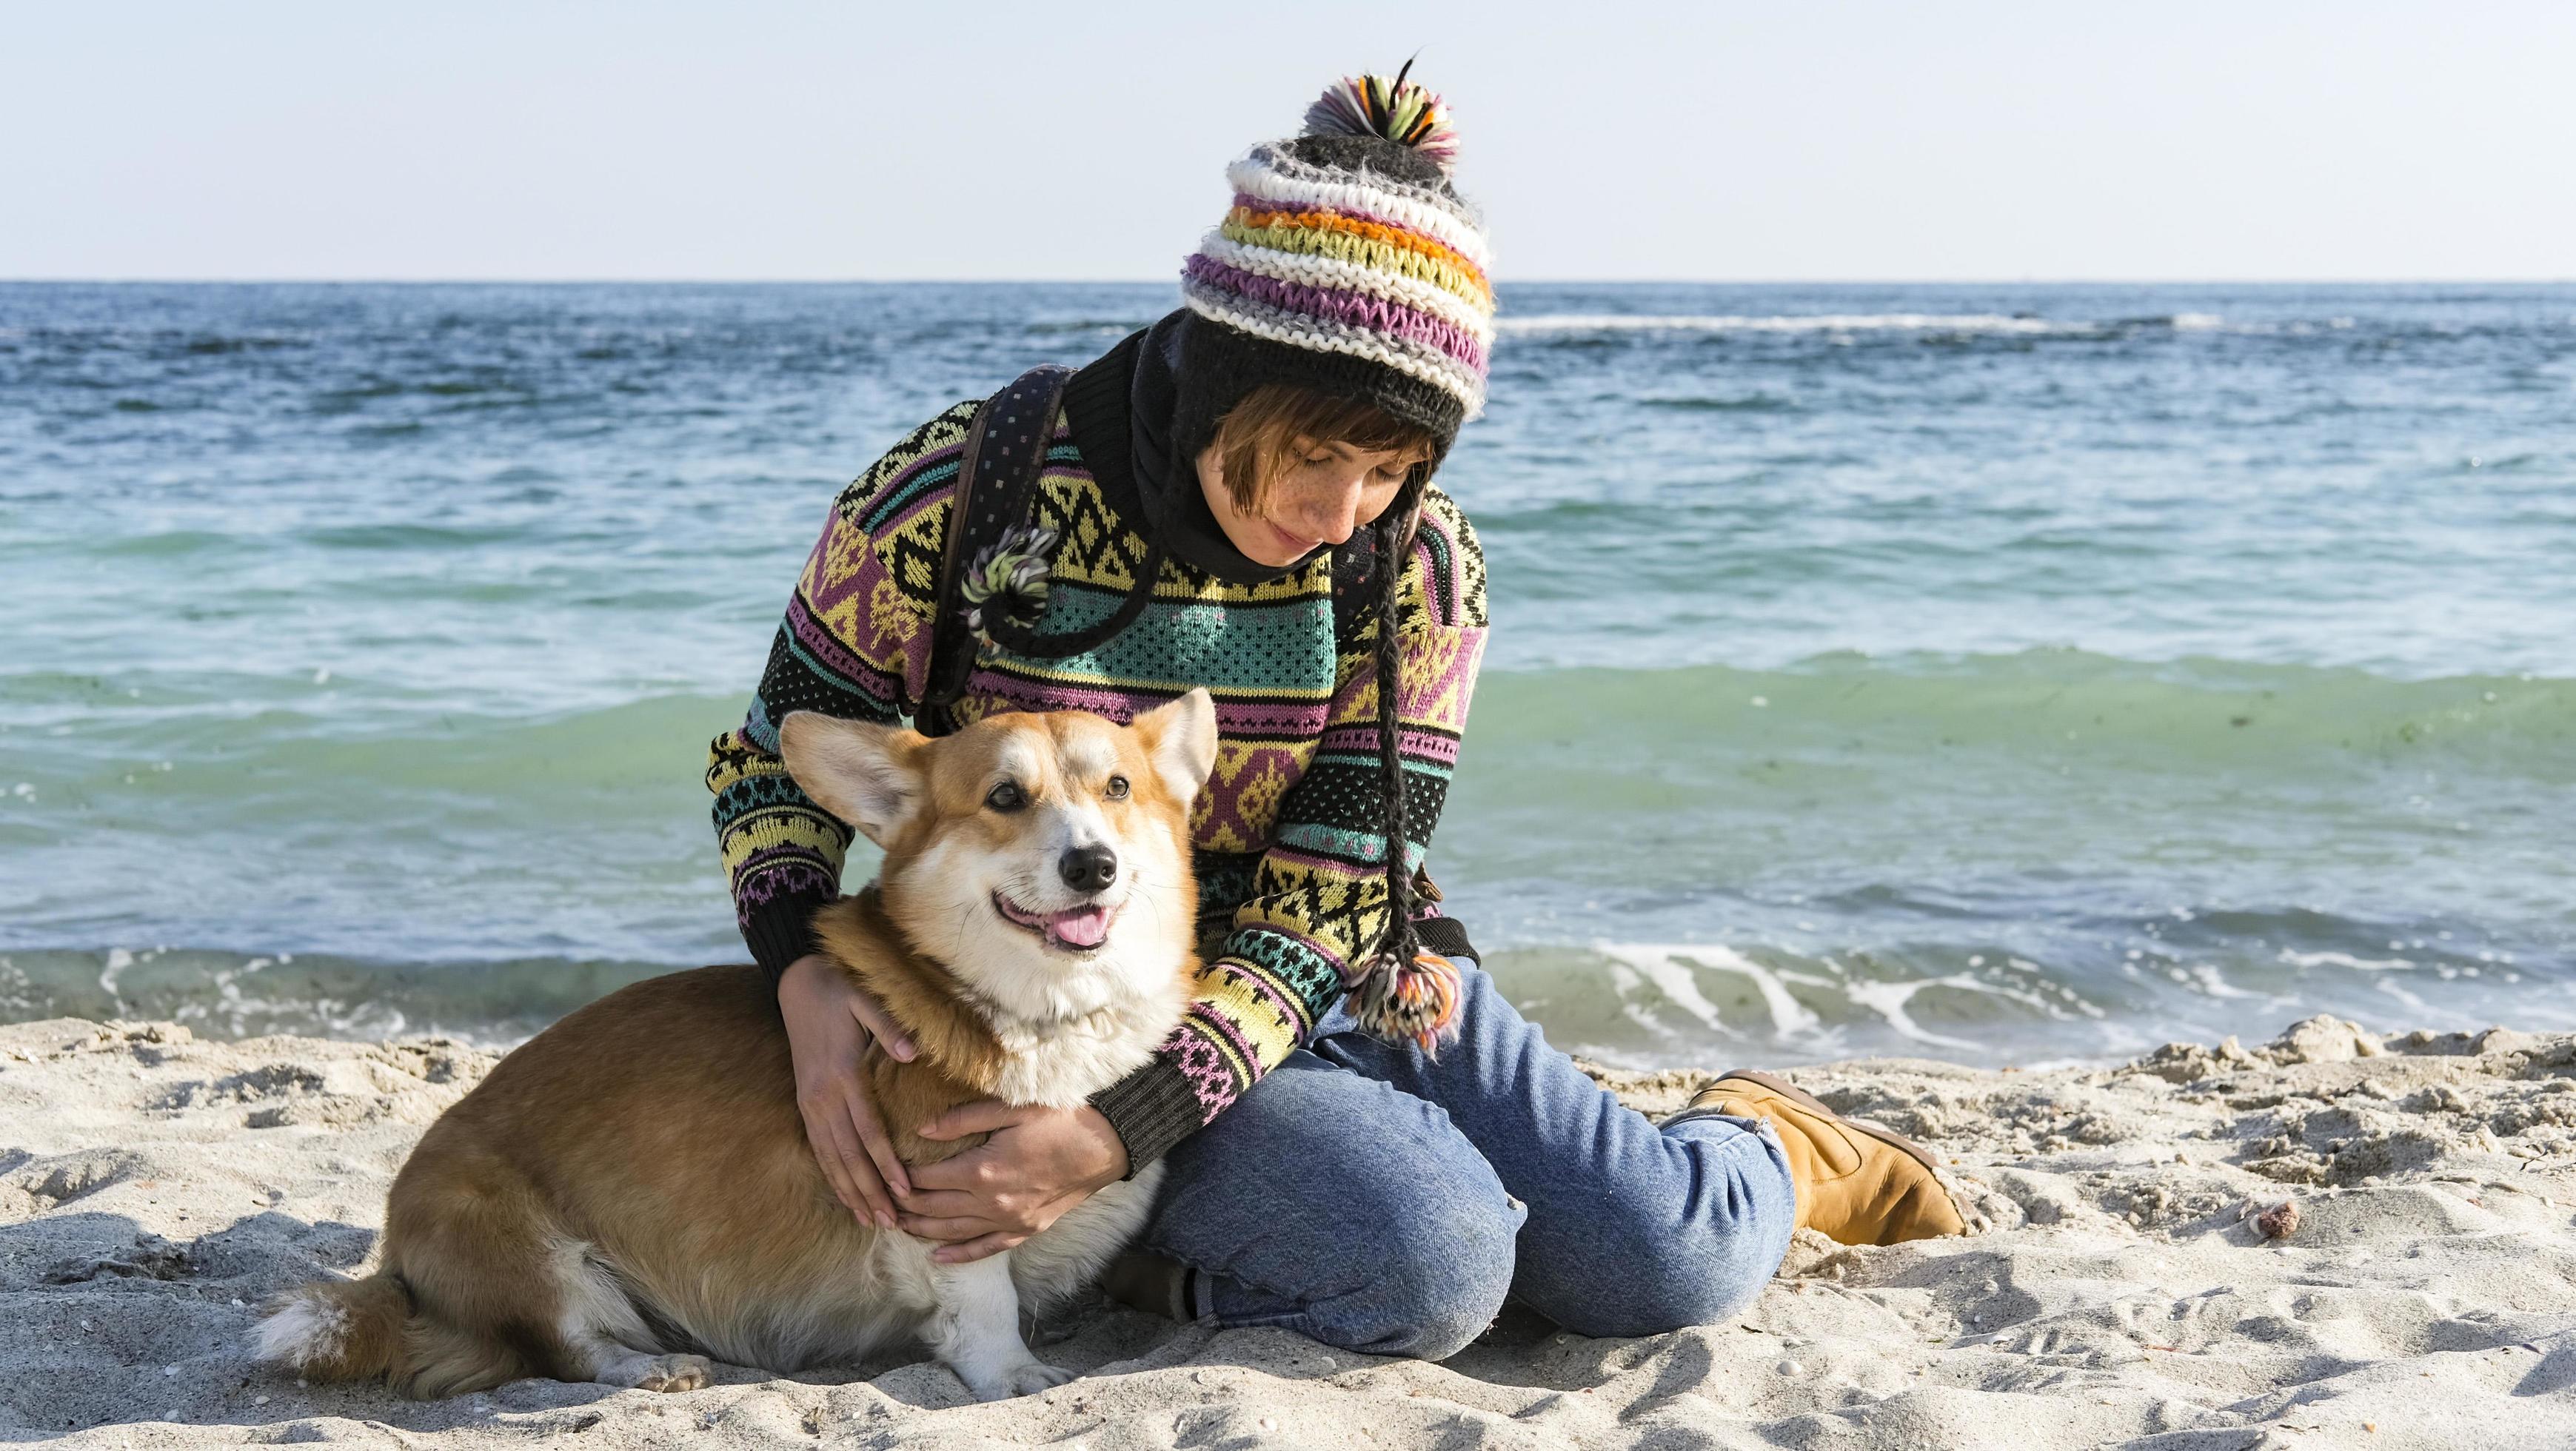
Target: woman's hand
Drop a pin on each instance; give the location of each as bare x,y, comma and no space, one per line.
1039,1163
832,1024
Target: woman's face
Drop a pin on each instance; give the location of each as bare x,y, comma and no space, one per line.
1329,492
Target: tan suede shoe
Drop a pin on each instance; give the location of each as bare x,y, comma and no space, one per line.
1858,1183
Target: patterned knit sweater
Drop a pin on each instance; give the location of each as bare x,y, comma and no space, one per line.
1288,832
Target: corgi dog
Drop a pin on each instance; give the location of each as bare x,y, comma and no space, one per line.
631,1191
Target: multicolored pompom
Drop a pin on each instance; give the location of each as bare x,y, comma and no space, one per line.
1414,1002
1398,110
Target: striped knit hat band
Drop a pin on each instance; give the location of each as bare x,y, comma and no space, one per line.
1348,244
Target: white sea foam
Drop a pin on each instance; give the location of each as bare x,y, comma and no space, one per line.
1864,322
2345,959
2206,976
1673,972
2413,1003
1658,966
1668,966
1624,983
1888,1000
1978,322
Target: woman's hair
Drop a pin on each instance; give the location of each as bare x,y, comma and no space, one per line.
1258,439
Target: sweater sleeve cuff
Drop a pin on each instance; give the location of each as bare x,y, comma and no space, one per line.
779,931
1152,1109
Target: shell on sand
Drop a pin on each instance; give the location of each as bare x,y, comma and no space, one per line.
2278,1222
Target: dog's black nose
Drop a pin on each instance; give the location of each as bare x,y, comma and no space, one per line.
1088,868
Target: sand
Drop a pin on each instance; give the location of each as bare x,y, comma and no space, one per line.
154,1187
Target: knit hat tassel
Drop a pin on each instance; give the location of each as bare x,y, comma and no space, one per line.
1401,992
1414,1001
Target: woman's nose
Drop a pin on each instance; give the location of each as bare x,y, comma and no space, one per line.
1335,516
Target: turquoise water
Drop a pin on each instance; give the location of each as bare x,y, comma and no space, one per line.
2002,674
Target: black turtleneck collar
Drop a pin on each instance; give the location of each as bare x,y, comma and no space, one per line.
1123,409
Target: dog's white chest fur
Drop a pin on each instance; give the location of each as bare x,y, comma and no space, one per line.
1061,1061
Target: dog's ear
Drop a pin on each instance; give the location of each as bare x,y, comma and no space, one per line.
868,775
1181,739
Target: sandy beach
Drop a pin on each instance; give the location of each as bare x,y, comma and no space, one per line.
155,1186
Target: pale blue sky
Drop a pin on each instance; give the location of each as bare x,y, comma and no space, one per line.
2180,140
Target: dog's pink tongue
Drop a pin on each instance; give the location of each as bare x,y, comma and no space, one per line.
1083,928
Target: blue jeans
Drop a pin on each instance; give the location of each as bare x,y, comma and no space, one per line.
1379,1200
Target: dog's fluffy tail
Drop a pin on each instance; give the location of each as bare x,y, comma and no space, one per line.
334,1330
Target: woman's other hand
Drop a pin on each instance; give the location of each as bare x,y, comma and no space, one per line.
832,1025
1037,1164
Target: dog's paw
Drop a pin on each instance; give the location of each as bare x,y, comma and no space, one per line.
675,1373
1037,1376
1024,1379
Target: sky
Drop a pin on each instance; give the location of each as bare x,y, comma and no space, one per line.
2252,140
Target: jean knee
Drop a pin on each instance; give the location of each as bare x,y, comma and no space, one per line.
1441,1271
1685,1265
1699,1286
1336,1205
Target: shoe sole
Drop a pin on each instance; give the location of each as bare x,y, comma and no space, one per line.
1813,1104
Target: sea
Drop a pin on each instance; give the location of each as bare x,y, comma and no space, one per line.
2004,674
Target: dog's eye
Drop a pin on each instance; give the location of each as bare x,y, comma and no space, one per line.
1006,797
1117,788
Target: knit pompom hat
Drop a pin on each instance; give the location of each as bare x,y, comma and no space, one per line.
1348,265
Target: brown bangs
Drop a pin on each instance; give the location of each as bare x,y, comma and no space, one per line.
1266,433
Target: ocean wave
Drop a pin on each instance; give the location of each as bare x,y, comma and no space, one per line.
244,995
2189,714
1578,324
1654,1004
2065,700
1051,327
1597,322
1743,403
1771,996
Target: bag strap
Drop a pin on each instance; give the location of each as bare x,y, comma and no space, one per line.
997,472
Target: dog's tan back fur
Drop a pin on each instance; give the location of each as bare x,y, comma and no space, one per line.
639,1172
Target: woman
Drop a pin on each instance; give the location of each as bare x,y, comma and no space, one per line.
1260,461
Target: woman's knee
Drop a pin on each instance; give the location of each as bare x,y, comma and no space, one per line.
1433,1277
1332,1203
1667,1285
1688,1289
1656,1265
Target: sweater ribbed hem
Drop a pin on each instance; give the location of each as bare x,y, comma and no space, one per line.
1152,1109
780,930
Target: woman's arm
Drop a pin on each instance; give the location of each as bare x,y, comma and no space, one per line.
856,644
1319,895
831,1023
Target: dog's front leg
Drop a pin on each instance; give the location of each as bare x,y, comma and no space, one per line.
976,1331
